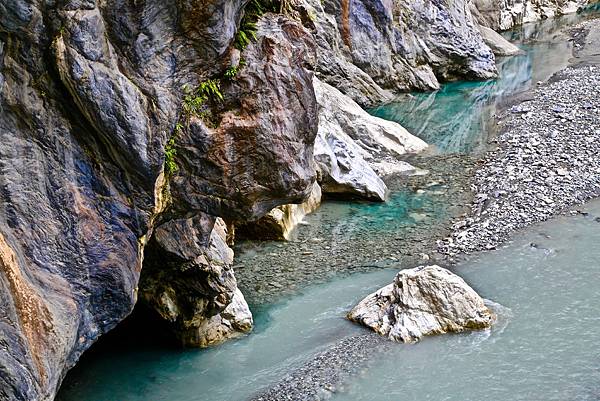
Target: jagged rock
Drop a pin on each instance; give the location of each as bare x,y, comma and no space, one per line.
351,143
188,280
501,15
423,301
89,94
499,45
400,44
279,223
260,154
381,139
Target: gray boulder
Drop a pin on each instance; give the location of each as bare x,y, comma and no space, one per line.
351,145
499,45
423,301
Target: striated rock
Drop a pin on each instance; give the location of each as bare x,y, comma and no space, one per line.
351,144
401,45
501,15
260,153
499,45
188,280
423,301
90,92
279,223
381,139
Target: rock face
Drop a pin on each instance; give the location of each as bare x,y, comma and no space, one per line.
188,280
279,223
504,14
423,301
367,48
90,93
351,144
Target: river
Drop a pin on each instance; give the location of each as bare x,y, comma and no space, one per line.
543,285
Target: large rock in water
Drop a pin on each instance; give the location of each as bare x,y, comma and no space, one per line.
423,301
352,147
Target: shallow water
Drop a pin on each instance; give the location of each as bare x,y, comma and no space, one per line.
544,347
546,344
459,117
286,335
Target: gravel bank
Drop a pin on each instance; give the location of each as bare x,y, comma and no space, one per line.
320,377
547,159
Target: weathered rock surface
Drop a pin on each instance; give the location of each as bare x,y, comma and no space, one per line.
89,95
396,45
279,223
188,280
501,15
499,45
423,301
351,144
242,171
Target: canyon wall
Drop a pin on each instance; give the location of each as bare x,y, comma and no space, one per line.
133,134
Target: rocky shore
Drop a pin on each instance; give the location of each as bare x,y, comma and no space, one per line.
546,158
545,162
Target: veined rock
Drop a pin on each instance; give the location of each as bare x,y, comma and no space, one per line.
423,301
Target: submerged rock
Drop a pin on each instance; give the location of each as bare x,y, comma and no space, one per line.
423,301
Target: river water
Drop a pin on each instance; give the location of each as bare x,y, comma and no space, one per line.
544,285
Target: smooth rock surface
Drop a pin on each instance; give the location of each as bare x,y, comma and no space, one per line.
351,143
279,223
423,301
499,45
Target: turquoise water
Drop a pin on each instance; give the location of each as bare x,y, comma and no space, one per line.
285,336
546,345
544,348
459,117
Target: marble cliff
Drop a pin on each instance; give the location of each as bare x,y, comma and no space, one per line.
135,135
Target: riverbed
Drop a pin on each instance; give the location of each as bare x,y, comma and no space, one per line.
543,284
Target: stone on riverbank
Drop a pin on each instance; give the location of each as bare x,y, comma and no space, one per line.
423,301
351,145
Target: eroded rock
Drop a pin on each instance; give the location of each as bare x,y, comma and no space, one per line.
423,301
279,223
351,144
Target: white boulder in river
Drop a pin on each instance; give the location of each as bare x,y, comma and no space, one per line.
423,301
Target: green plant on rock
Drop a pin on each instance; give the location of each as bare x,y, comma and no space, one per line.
194,100
170,152
253,11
